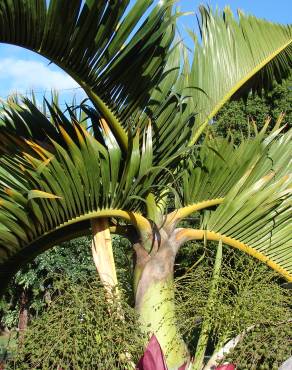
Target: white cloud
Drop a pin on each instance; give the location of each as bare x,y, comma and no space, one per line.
23,75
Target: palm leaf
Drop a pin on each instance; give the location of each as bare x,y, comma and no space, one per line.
171,110
258,221
234,57
20,117
217,166
53,188
250,187
100,44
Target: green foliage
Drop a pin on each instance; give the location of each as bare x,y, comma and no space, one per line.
100,44
147,107
124,261
248,294
72,259
10,312
236,117
81,331
141,127
227,63
265,347
8,346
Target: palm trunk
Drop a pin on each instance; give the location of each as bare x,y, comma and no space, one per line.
155,301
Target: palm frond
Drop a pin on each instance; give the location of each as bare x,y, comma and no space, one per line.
248,193
234,57
20,117
218,166
100,44
257,221
171,109
22,121
50,190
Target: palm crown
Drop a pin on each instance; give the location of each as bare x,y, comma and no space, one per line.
122,157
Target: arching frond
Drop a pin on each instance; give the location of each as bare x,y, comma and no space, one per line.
251,189
50,190
218,166
256,221
20,117
101,44
235,56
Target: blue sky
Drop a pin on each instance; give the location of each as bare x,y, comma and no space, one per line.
22,70
274,10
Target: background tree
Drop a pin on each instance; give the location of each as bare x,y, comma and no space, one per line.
63,176
237,116
37,279
72,260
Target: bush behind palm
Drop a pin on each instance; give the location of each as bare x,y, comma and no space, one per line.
79,332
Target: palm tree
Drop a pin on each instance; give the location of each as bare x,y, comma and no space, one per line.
134,150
